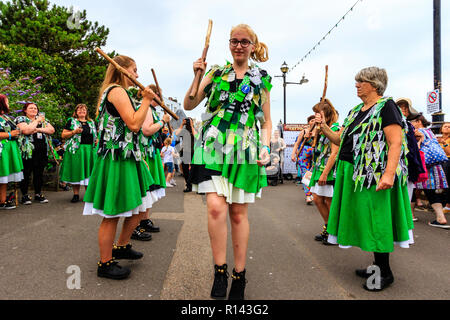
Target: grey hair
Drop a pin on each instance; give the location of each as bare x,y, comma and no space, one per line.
377,77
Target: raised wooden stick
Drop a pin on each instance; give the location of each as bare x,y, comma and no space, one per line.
158,89
322,102
129,76
198,74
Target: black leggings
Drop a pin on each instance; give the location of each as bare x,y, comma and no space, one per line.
187,174
35,165
382,261
434,197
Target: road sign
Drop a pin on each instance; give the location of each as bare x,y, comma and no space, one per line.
433,102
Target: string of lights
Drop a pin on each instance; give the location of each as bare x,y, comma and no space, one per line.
325,36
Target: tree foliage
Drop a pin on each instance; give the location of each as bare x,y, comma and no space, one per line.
19,91
55,43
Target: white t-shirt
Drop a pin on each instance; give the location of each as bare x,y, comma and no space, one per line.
168,153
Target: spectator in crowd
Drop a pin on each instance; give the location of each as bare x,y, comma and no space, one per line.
434,187
187,134
34,144
168,153
415,165
444,141
304,156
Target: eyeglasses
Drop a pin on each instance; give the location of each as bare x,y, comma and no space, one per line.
244,43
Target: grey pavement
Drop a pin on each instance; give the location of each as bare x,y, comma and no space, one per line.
38,244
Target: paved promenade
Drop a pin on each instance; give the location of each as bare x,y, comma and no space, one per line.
38,244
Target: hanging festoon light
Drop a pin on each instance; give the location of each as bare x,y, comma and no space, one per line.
325,36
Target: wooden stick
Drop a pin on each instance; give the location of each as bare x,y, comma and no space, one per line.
129,76
198,74
322,102
158,89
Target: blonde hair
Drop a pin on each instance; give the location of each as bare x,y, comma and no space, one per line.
114,76
261,53
168,142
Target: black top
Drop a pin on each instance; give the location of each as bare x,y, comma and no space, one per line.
112,109
390,115
39,141
86,136
186,147
415,166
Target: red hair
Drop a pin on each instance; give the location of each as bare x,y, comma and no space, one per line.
3,106
26,105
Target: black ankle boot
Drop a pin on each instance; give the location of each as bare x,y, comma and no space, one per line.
75,199
385,281
320,236
148,226
126,252
140,234
363,272
219,289
237,286
112,270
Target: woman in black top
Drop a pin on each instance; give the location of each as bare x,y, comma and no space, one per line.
78,161
370,207
34,145
187,133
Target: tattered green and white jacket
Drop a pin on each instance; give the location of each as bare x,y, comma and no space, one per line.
370,149
5,126
147,143
114,135
234,112
73,144
322,152
26,141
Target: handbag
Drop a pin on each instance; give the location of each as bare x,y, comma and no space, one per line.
422,176
434,154
307,178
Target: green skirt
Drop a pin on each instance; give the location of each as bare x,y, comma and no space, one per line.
11,165
118,188
159,179
248,177
373,221
77,168
315,176
157,169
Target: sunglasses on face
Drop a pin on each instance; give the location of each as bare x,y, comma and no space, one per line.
244,43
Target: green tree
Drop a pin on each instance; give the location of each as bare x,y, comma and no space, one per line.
54,42
20,91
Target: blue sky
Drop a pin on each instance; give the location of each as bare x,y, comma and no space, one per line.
394,34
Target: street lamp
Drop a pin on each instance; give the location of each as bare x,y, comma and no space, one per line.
285,69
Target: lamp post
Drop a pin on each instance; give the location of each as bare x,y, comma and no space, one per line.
284,70
438,117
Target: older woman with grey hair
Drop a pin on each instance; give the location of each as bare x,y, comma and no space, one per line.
370,207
